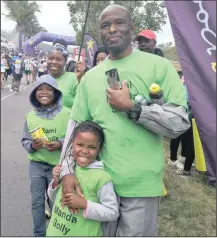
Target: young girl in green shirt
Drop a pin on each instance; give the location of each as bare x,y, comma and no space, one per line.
100,201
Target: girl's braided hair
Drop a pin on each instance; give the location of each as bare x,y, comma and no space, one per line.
90,126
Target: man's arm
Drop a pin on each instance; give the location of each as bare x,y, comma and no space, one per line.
169,120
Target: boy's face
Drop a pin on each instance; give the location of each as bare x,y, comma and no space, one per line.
45,95
86,146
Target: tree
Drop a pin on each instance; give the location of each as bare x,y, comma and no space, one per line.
169,51
23,13
146,15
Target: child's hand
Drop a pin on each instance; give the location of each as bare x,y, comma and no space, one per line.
37,144
74,201
53,145
56,174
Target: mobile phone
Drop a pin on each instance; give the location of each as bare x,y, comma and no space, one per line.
113,79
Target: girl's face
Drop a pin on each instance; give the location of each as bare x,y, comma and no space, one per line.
86,146
100,57
45,95
56,63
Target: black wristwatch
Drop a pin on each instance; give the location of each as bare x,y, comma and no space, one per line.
135,112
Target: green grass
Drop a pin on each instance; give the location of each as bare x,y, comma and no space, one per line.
190,207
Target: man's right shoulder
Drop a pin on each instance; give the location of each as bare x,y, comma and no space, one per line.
94,72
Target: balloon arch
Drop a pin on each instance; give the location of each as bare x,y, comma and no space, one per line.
28,46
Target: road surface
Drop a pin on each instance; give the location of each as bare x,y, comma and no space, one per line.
16,217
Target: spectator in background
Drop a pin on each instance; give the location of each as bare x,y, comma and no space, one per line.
187,140
42,68
146,41
99,56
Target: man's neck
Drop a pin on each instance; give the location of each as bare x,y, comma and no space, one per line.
121,55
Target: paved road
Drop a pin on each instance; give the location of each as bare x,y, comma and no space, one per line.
15,196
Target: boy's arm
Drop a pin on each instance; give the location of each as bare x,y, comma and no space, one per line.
107,209
26,140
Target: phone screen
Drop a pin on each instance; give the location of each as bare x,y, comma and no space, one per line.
113,79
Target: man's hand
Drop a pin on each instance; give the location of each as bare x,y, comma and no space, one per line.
120,99
37,144
70,184
52,146
74,201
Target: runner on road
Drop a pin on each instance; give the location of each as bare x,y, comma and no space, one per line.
28,69
17,68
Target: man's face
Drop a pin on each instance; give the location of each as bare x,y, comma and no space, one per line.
145,44
116,29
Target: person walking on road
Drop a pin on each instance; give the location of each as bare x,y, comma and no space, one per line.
3,70
17,72
42,68
133,151
50,118
67,81
28,69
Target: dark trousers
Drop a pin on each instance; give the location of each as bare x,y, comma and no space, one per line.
187,141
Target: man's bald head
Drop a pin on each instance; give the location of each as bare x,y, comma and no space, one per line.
116,7
116,29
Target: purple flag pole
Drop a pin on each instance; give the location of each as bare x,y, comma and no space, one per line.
194,27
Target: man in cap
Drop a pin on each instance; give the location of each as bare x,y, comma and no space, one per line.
146,41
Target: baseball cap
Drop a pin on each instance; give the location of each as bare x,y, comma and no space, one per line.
148,34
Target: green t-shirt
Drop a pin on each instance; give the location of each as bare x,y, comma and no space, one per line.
54,130
132,155
68,84
62,222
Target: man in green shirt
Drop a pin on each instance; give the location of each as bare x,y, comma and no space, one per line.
133,151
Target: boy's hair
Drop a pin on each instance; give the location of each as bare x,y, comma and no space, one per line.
90,126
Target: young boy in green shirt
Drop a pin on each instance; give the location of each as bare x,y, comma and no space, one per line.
49,118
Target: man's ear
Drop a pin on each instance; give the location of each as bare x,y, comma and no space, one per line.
155,42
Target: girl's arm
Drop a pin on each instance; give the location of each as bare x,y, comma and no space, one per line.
107,209
52,191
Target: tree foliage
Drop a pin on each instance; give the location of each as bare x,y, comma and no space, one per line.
169,51
23,13
146,15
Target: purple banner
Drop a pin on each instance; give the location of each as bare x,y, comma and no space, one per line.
194,27
91,47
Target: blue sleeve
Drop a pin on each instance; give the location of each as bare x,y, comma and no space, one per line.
26,140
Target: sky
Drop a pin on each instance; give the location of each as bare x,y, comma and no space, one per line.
55,18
